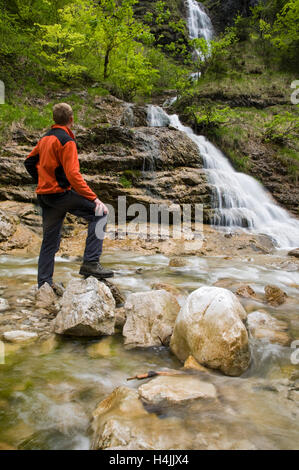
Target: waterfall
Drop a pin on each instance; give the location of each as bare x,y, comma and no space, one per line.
199,23
238,199
199,26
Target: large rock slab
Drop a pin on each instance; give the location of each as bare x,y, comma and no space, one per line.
87,309
176,390
150,318
121,422
210,328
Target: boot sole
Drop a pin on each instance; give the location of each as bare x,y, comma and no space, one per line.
97,276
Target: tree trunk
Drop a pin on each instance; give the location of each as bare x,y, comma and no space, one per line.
106,63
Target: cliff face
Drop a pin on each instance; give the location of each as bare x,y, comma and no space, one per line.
119,157
223,12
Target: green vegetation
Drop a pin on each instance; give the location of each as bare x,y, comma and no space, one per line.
129,177
242,101
46,45
135,49
37,115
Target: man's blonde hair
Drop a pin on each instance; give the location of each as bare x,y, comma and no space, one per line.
62,114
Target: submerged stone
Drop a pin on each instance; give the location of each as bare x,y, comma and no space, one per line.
176,390
275,296
263,326
121,422
19,336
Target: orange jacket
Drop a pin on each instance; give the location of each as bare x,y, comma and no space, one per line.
54,164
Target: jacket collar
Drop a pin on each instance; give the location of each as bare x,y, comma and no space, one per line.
65,128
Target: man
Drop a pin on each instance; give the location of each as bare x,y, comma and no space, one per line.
54,166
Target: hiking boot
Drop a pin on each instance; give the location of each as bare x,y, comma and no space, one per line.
95,270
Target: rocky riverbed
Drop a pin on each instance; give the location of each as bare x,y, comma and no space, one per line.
64,381
215,311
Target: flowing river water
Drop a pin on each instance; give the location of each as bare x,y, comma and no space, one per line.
48,391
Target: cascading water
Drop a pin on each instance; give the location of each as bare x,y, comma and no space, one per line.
199,23
238,199
199,26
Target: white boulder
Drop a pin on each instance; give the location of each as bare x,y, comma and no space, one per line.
150,318
87,309
210,328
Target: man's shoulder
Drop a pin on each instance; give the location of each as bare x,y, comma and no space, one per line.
60,134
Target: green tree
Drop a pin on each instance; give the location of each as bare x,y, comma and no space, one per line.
212,54
115,27
286,30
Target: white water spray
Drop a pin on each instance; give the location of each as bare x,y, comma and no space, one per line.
239,201
199,23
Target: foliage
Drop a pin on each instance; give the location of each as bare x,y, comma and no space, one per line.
169,29
286,30
208,117
212,54
68,41
275,27
282,129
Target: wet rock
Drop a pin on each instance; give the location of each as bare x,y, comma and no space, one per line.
87,309
7,226
177,262
176,390
4,305
261,325
246,291
168,287
210,327
19,336
120,317
150,318
191,363
121,422
275,296
24,239
47,299
118,296
294,253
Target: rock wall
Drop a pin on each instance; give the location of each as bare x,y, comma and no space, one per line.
119,156
222,12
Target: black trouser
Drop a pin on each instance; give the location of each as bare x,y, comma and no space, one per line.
54,209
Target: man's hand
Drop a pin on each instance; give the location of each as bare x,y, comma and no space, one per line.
100,208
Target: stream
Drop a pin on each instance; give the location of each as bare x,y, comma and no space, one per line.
49,390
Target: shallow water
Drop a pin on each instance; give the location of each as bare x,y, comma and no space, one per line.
47,395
